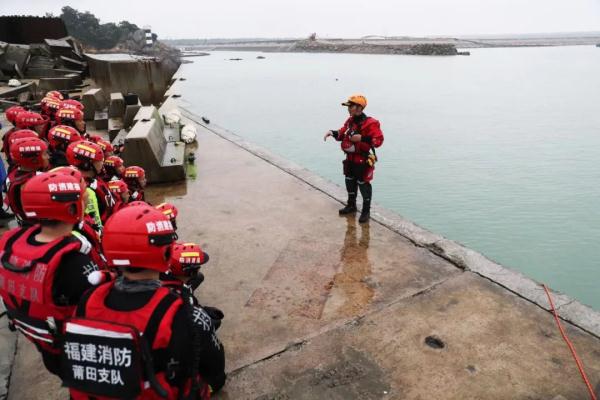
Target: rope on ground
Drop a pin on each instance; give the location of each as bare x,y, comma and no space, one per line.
571,347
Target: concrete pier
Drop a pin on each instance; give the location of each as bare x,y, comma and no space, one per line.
320,307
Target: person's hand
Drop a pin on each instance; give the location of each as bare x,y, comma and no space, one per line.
328,134
355,138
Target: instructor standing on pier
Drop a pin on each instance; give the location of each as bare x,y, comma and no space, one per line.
360,135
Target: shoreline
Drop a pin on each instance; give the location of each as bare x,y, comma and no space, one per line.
570,309
407,46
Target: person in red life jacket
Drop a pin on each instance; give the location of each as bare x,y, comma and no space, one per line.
184,276
30,155
56,94
34,121
71,117
59,138
50,105
135,312
114,168
11,116
106,147
14,137
89,159
120,192
44,268
71,104
360,136
170,211
135,178
87,225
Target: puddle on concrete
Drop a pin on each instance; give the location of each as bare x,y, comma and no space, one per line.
351,290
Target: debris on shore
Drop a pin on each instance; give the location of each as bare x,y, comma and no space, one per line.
422,49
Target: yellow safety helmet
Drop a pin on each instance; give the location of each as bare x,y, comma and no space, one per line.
356,99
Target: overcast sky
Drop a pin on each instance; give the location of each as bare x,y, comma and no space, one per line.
337,18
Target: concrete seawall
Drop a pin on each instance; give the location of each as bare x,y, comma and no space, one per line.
320,307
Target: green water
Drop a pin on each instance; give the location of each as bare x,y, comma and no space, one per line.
499,151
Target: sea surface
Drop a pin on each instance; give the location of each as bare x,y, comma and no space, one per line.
499,150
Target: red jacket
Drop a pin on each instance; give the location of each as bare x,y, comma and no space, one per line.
368,128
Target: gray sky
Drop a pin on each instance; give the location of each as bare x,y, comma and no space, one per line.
339,18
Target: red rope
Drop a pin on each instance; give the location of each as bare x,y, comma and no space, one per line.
571,347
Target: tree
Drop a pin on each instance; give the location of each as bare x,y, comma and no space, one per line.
86,27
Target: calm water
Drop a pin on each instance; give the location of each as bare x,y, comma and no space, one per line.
499,150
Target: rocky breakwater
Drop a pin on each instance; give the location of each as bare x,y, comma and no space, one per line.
425,49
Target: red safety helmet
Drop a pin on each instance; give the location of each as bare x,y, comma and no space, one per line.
68,114
169,210
83,153
63,134
105,146
29,152
113,162
56,94
137,203
118,186
29,119
49,103
138,237
186,258
95,138
134,172
68,170
54,196
71,104
11,113
21,134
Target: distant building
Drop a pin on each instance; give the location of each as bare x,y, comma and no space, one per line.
18,29
149,38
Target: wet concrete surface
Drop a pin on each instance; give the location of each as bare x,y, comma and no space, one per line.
320,307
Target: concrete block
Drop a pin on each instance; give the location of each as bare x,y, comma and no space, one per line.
115,125
47,84
130,113
119,140
13,92
93,100
116,109
172,133
145,145
101,120
75,78
148,112
131,99
15,55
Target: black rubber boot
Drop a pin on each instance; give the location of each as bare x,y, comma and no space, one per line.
350,208
366,191
351,187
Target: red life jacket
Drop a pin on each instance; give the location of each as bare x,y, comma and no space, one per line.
360,151
5,143
104,196
152,322
26,282
15,181
86,228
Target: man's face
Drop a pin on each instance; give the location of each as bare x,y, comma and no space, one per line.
98,166
39,129
80,125
354,109
45,160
